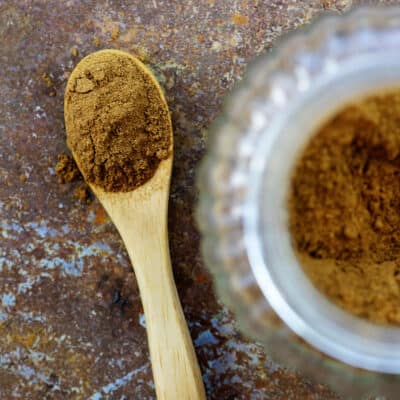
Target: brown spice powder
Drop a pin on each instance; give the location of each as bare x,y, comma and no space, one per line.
67,172
66,169
115,119
82,193
345,208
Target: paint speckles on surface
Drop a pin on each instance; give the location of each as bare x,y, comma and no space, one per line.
71,321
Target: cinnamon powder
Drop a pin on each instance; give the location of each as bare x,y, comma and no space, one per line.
345,208
115,118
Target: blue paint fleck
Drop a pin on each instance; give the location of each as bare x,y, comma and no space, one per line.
25,371
25,286
13,226
206,380
226,329
205,338
66,229
72,267
93,249
43,230
8,300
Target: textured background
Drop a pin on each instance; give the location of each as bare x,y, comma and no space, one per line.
71,321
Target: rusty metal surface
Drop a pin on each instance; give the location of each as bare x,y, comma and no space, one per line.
71,321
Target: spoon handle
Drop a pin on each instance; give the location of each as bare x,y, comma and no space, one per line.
176,372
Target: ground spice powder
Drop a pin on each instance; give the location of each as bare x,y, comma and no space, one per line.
66,169
345,208
115,119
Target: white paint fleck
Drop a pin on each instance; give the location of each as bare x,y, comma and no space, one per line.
30,317
142,320
40,113
30,247
91,216
118,383
216,46
4,262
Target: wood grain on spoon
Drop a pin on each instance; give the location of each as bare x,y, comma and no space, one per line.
141,219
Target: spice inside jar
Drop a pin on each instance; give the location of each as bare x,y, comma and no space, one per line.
344,208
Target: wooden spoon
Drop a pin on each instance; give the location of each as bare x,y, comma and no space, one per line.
141,219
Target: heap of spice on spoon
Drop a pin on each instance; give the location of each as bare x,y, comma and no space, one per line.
120,133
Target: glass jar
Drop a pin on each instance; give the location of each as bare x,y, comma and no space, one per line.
244,181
